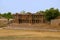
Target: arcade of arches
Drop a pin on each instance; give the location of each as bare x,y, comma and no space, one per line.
28,18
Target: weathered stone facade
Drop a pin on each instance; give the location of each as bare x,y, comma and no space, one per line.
28,18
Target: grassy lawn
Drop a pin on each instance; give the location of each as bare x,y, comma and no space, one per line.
6,34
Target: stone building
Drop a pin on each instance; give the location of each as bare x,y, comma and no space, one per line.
56,22
28,18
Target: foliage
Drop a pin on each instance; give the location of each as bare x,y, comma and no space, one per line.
7,15
40,12
51,14
28,13
22,12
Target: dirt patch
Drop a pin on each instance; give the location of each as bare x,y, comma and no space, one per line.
5,32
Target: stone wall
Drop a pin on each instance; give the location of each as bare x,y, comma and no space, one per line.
55,22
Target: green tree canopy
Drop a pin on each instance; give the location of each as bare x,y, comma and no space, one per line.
7,15
51,14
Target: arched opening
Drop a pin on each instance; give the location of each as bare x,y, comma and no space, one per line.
20,21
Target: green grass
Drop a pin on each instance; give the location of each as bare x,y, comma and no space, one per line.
28,38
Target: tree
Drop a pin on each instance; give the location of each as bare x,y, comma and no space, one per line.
40,12
0,15
22,12
28,13
51,14
8,16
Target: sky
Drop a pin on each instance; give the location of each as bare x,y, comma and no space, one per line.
27,5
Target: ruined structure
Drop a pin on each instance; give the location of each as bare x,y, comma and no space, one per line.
28,18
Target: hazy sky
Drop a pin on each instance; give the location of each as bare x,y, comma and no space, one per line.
27,5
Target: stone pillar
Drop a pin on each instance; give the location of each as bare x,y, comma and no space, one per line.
16,17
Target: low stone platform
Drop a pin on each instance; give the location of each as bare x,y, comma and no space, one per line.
37,27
